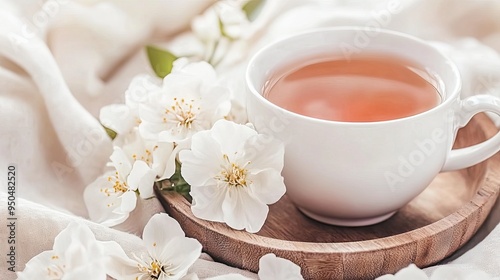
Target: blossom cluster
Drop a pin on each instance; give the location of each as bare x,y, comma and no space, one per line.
185,125
167,255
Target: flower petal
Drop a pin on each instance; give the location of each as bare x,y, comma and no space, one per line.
121,162
151,119
76,255
230,136
207,26
207,202
231,276
411,272
216,104
180,253
200,69
103,203
164,160
73,232
459,273
274,268
265,152
182,85
133,145
141,177
128,202
87,270
202,163
139,89
86,260
237,113
243,211
39,264
158,232
191,276
170,162
119,265
267,186
118,117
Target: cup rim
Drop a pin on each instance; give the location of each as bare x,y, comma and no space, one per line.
450,97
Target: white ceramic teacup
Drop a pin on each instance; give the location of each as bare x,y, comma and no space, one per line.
355,174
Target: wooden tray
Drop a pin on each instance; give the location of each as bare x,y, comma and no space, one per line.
431,227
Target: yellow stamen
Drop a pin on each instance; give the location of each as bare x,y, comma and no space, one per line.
155,269
233,174
183,112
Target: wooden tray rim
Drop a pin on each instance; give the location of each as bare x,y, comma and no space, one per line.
482,196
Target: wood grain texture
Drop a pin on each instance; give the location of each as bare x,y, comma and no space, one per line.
431,227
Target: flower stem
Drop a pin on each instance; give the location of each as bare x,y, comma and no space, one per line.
214,50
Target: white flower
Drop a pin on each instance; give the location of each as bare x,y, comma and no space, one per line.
238,113
111,197
274,268
224,18
170,253
189,101
234,173
232,276
218,28
270,268
159,156
412,272
460,273
207,26
121,118
233,20
236,84
76,254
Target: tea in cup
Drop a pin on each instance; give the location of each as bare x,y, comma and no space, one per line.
360,89
366,128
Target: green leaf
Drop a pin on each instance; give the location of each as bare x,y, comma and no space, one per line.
111,133
184,190
161,60
252,8
177,184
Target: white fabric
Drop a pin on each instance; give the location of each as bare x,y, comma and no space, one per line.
61,61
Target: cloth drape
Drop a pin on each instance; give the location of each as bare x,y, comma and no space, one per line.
61,61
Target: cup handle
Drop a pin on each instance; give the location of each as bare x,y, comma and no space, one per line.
465,157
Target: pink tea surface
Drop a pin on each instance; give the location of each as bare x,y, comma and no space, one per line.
364,89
